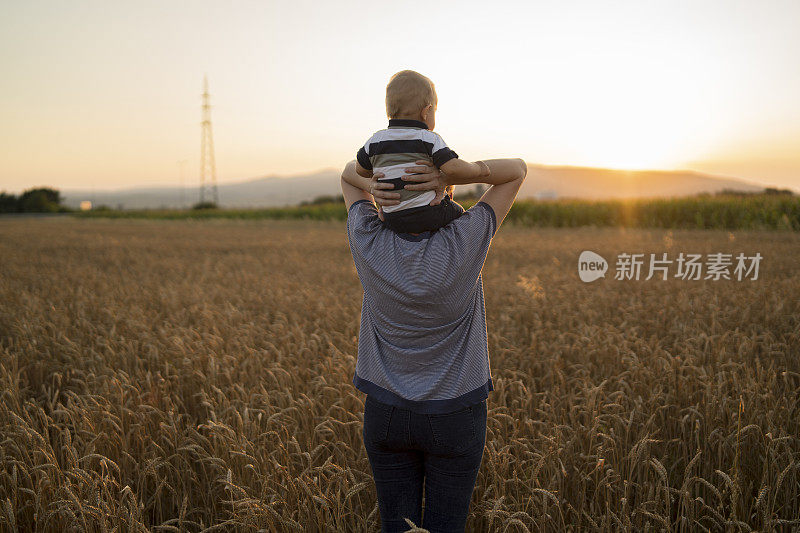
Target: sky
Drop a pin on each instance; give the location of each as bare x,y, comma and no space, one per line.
106,94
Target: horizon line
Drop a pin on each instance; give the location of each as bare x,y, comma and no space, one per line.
236,181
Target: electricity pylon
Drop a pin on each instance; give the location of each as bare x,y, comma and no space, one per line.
208,169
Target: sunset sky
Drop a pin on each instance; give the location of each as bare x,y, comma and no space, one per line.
107,94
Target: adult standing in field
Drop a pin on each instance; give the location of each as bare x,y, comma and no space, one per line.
423,356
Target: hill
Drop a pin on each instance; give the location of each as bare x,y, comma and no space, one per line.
603,184
543,181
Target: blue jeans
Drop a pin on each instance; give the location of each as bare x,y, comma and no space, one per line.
407,450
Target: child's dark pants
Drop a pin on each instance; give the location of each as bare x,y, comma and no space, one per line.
424,218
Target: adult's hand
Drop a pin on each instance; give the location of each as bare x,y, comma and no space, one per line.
426,177
382,191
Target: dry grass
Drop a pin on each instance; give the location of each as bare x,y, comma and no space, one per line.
187,376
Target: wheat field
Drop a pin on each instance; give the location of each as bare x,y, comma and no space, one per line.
196,376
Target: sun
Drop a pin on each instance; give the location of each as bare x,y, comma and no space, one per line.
629,150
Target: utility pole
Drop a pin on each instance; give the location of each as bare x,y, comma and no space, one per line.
208,169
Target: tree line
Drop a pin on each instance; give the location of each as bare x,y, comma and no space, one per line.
36,200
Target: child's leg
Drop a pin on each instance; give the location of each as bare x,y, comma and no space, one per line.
425,218
449,211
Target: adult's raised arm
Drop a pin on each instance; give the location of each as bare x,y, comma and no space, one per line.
505,177
508,177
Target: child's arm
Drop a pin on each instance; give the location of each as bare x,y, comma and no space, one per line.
460,171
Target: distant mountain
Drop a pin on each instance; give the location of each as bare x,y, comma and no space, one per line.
602,183
542,182
270,191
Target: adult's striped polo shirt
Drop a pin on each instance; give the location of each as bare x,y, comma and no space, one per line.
392,150
422,344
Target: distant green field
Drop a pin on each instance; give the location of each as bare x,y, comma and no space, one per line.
701,212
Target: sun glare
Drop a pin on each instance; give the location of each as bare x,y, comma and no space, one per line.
626,108
631,85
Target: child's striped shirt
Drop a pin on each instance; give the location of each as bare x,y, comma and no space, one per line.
392,150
